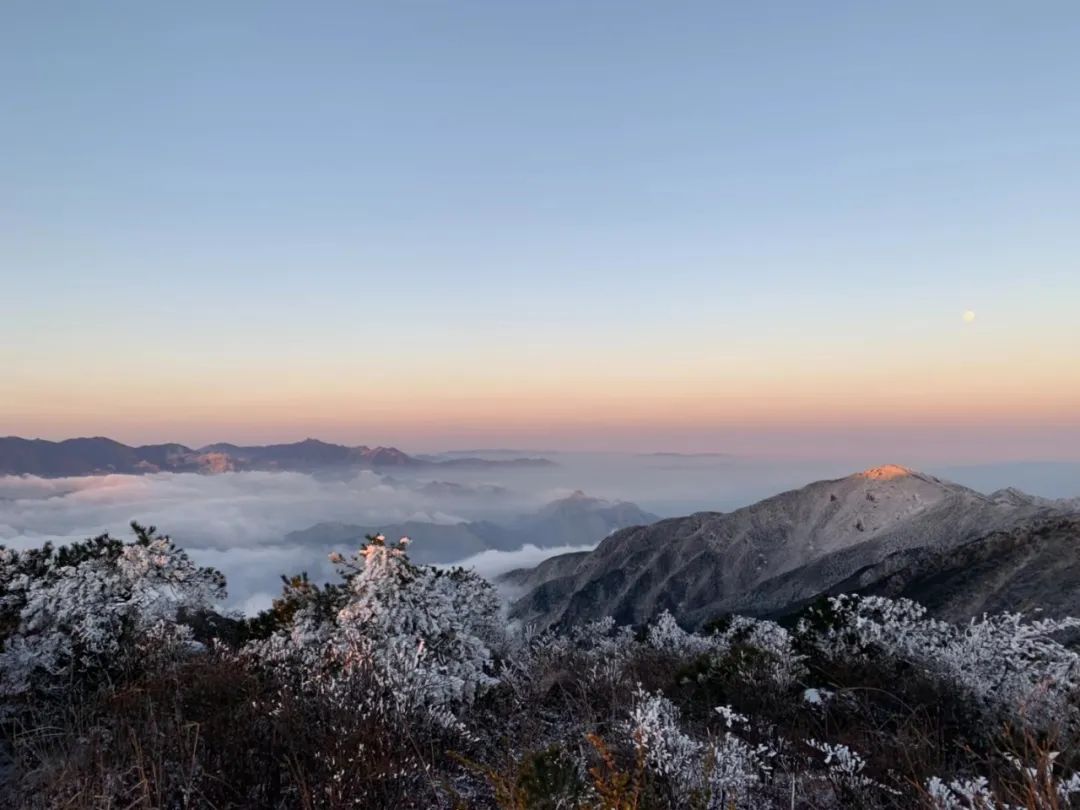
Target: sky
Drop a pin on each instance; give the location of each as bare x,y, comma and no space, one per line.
604,225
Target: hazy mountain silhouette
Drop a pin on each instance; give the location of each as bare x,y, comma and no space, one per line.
99,455
574,521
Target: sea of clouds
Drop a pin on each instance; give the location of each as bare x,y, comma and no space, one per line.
239,522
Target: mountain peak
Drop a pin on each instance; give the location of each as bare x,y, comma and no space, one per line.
886,472
773,554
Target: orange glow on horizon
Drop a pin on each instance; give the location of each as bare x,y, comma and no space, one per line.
655,387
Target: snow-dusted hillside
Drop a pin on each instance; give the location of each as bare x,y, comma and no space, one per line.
778,552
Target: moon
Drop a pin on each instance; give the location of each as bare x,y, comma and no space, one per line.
969,316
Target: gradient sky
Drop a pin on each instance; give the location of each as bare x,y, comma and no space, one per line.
711,226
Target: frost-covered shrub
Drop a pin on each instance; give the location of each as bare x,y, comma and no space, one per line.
720,772
398,686
669,752
81,614
595,657
1038,784
667,636
1006,664
779,662
844,770
751,663
773,643
961,794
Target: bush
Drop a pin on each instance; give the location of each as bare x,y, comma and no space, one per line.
398,687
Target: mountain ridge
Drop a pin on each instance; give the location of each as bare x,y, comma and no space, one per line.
98,455
763,557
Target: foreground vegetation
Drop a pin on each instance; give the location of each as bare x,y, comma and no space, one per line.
403,686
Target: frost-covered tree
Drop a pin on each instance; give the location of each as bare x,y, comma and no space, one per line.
428,630
79,615
427,633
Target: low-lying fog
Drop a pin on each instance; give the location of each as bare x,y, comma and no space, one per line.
241,522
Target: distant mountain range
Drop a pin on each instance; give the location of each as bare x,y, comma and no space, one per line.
574,521
95,456
885,530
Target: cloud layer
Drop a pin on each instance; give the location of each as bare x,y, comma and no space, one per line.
493,562
237,522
